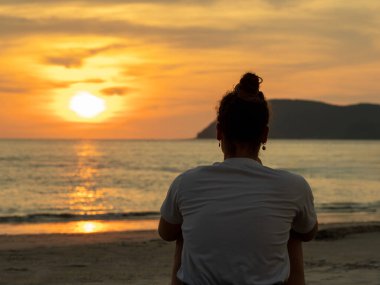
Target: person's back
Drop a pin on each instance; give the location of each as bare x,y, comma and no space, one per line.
236,218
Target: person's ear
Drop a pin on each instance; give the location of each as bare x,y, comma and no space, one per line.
218,132
265,135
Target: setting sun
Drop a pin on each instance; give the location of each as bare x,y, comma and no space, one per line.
86,105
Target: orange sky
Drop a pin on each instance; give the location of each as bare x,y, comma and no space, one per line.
162,67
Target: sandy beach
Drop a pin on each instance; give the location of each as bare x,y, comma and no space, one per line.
341,254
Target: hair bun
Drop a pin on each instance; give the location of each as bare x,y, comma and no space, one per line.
249,85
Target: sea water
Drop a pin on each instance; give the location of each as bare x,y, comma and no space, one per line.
81,180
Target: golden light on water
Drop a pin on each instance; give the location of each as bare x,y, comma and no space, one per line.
80,227
89,227
85,197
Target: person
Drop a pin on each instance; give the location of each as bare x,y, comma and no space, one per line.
238,221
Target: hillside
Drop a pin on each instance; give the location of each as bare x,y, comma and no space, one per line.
299,119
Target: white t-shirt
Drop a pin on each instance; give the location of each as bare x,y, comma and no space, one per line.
236,217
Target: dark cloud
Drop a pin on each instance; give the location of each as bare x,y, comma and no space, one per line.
66,84
117,90
185,37
8,85
343,28
65,61
19,83
11,89
76,58
338,34
29,85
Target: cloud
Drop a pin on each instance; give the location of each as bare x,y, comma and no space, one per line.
66,84
282,3
184,37
331,29
117,90
11,89
66,61
92,80
11,85
152,69
17,83
317,38
343,36
76,58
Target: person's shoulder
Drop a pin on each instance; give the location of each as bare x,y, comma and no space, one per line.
187,177
198,170
292,179
194,173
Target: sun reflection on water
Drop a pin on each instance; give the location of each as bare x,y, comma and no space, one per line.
89,227
85,196
80,227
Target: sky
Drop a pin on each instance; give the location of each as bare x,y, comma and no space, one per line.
162,66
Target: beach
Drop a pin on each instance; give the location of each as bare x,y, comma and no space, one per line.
341,254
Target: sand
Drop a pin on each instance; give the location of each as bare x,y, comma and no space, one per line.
342,254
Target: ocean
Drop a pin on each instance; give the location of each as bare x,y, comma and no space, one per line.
61,182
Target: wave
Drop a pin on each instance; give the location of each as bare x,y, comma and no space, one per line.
349,207
66,217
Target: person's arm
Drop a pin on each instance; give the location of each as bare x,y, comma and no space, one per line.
171,220
170,224
297,275
168,231
171,232
305,223
177,262
304,228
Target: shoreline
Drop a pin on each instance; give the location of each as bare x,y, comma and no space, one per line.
342,254
79,227
341,230
326,232
91,226
331,231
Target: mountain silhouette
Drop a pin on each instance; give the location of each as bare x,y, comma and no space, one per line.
301,119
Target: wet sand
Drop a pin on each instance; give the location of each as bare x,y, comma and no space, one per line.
341,254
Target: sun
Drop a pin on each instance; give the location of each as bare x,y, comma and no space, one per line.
86,105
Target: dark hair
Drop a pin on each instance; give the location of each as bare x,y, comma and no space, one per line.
243,113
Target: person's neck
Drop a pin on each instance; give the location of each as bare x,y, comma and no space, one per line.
243,154
240,150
